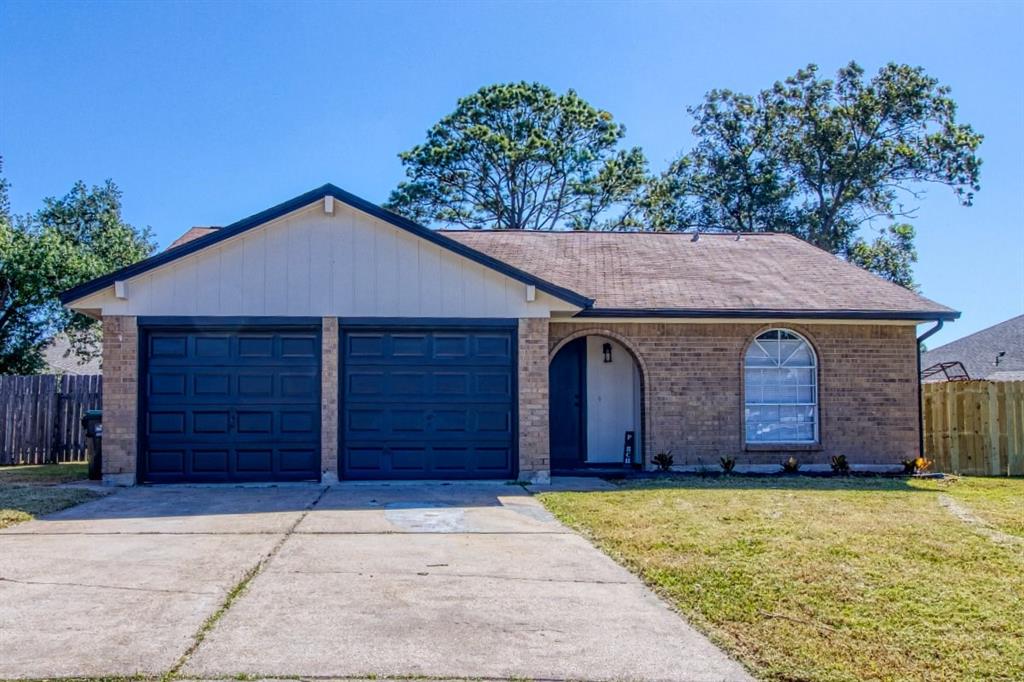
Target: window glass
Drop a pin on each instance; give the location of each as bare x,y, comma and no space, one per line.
781,392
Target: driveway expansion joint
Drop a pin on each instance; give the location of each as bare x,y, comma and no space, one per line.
235,592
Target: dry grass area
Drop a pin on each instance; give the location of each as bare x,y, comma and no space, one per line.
30,491
827,579
998,501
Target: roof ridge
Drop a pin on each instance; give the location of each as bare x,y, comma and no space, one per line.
680,233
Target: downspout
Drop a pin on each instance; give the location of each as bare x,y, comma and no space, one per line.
920,389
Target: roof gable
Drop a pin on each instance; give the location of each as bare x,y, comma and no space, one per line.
305,200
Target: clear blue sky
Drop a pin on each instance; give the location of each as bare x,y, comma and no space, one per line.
205,113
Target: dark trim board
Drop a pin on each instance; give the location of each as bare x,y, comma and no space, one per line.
430,322
772,314
302,201
448,324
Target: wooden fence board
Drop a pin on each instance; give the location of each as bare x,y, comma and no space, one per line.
40,417
975,427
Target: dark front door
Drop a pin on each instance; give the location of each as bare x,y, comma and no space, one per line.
567,385
428,402
230,405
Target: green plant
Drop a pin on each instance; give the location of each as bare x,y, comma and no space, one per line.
791,465
663,460
728,464
840,465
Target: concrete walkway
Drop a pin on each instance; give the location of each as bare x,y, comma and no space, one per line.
437,580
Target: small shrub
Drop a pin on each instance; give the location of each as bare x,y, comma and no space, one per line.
916,466
728,464
791,465
840,465
663,460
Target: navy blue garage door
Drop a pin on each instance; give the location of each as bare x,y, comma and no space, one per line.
230,405
428,403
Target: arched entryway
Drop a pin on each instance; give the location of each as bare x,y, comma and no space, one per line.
595,414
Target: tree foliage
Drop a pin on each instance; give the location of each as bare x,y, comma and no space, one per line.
520,156
69,241
891,254
820,158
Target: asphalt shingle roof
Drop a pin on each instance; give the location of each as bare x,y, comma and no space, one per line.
675,271
193,233
978,352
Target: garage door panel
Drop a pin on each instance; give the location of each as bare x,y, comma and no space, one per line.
436,422
428,384
238,405
423,461
167,423
216,347
166,461
166,384
435,403
364,458
212,423
210,385
210,461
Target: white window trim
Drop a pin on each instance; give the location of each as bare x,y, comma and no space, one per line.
816,404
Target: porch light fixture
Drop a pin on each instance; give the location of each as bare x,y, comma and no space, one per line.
607,350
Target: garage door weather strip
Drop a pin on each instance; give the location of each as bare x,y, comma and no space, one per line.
237,591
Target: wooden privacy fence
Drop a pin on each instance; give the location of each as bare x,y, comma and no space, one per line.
975,427
41,417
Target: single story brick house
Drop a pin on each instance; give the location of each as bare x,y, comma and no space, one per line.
328,338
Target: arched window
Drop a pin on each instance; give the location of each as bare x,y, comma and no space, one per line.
781,389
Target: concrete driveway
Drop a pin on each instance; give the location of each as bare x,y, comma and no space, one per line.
437,580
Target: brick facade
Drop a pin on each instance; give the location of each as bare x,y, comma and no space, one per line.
120,398
534,454
329,401
692,392
693,389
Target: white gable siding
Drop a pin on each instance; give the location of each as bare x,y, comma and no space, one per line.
308,263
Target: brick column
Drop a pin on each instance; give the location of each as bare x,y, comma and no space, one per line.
120,399
534,450
329,401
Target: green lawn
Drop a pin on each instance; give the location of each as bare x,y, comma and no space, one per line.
30,491
827,579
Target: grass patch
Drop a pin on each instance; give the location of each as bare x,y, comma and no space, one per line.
44,474
30,491
824,579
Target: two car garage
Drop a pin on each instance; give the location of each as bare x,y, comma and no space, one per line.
241,402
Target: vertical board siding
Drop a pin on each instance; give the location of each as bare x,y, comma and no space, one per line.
975,427
308,263
41,417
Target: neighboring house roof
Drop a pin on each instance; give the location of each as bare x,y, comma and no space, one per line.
60,359
301,201
627,274
193,233
679,274
977,352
